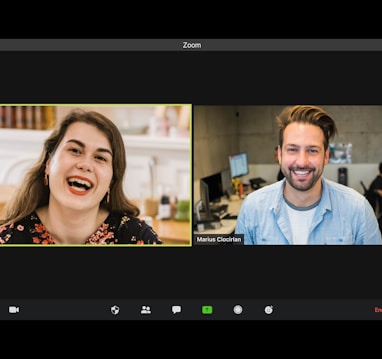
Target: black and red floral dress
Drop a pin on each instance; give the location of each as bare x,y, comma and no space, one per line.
116,229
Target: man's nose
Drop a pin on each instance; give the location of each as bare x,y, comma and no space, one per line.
302,158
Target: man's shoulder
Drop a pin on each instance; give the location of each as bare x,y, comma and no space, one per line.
341,189
267,192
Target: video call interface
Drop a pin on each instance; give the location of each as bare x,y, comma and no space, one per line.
232,91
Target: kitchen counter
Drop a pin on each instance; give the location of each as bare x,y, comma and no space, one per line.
6,193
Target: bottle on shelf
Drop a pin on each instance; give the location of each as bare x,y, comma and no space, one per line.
19,117
49,116
164,209
8,117
28,117
37,118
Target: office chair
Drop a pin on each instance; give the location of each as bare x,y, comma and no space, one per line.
364,188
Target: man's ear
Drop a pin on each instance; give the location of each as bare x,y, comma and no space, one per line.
327,155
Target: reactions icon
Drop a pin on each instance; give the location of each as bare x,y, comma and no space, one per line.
268,309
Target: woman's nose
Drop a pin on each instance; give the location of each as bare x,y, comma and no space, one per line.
85,165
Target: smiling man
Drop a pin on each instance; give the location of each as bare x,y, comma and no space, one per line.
305,207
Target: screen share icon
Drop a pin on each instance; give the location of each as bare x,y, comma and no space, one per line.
207,309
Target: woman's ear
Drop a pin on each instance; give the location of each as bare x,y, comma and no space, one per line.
47,166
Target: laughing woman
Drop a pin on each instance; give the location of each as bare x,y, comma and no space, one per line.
74,193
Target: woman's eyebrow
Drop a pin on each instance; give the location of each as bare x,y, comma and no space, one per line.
81,144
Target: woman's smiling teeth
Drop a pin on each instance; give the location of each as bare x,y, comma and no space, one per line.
79,184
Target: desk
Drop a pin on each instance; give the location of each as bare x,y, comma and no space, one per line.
227,225
171,231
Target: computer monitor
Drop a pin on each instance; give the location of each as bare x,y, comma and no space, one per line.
227,182
215,187
238,165
206,215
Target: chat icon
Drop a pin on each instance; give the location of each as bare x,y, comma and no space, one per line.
176,309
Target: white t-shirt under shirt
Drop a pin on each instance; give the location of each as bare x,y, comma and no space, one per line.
300,219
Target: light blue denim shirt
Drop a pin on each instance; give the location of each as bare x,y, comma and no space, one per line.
343,216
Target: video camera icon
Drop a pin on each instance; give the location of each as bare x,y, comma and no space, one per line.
13,309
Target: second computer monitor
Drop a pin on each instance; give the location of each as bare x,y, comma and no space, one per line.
238,165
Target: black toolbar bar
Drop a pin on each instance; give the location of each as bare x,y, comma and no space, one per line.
149,309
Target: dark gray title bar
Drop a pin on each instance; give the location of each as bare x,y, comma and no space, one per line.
190,44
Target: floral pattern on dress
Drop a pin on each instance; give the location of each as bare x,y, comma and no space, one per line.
117,229
102,236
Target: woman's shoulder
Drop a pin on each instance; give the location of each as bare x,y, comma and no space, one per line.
122,219
6,232
130,229
18,232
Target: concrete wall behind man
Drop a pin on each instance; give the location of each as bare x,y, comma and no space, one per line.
223,130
